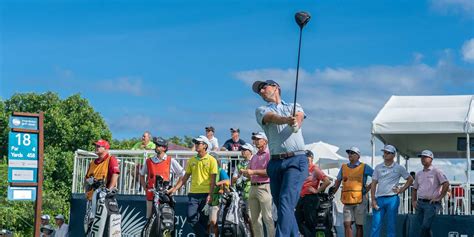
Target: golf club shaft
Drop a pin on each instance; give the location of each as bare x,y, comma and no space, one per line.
297,72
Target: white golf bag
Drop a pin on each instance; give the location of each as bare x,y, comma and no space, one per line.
103,218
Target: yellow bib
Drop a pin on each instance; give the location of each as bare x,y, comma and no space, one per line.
98,171
352,181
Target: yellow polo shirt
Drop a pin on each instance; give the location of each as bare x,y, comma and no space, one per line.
201,170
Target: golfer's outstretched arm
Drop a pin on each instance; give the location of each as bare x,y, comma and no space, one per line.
277,119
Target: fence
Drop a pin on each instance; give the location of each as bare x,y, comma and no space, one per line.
132,161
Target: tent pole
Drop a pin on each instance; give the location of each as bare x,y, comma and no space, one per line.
372,141
468,185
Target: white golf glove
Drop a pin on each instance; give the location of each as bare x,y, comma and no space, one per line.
295,128
205,209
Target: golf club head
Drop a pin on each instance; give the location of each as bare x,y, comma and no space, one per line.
302,18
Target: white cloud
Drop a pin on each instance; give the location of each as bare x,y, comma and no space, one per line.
464,7
129,85
468,50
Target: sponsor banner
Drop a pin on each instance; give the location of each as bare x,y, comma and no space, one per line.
30,123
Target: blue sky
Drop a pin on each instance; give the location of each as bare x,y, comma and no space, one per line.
174,67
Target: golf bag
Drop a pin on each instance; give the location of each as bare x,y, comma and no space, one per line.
161,222
318,214
103,217
233,222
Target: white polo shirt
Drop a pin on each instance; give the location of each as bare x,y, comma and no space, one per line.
388,177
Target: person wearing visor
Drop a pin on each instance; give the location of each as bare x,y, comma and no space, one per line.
202,169
162,165
315,183
288,166
353,177
385,189
105,168
260,198
430,186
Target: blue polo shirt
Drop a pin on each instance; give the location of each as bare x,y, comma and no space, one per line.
280,136
368,171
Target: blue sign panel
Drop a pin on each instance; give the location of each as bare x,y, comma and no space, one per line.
22,157
24,122
21,193
22,146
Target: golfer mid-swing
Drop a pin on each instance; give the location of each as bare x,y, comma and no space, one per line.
288,166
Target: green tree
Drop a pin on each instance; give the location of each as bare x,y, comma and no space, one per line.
69,124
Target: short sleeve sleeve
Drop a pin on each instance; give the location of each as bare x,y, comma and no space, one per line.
368,170
403,172
113,166
188,166
339,175
213,166
318,173
415,183
441,177
223,175
375,174
260,112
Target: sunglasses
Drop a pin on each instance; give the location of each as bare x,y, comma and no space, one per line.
199,143
351,152
388,153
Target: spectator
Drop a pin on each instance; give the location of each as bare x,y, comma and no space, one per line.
146,143
203,170
162,165
63,228
234,143
260,198
353,177
238,178
385,190
430,186
212,139
45,220
47,231
311,186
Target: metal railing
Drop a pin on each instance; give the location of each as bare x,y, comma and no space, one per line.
131,161
454,203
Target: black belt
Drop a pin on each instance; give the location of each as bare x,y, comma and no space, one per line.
387,196
426,200
287,155
258,184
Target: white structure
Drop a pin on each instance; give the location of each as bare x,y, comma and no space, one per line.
325,155
442,124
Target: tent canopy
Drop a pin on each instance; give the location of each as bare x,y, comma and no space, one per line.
415,123
325,155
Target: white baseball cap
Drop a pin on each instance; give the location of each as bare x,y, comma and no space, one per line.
354,149
59,217
389,148
259,135
427,153
45,217
202,139
248,146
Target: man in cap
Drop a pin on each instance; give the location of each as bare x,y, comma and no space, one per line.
260,199
312,185
104,168
212,139
247,151
162,165
385,189
353,177
288,166
45,219
430,186
203,170
234,143
63,228
47,231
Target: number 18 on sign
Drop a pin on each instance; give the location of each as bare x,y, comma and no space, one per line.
22,157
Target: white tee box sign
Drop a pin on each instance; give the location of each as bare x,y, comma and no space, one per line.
21,193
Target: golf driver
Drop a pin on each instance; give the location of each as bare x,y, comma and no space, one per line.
302,18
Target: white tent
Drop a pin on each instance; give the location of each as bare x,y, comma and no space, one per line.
325,155
442,124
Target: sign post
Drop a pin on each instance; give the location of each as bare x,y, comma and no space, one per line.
25,161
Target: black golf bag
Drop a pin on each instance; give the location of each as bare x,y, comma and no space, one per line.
161,222
232,210
103,216
318,214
